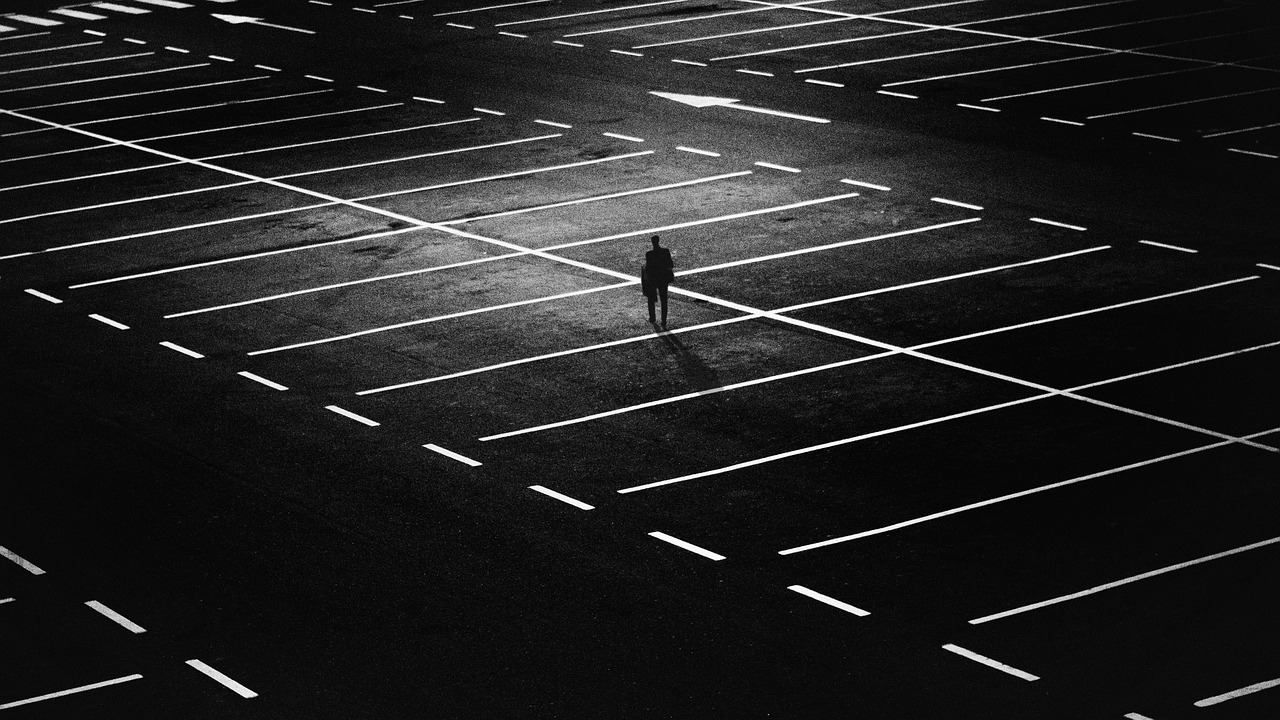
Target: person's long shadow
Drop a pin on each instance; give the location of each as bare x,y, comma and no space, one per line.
700,376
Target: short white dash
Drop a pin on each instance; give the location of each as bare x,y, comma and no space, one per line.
260,379
406,17
627,52
179,348
1269,267
566,42
1056,224
561,497
511,34
978,107
219,57
553,124
364,10
828,83
95,32
317,77
773,166
1156,137
267,67
1062,122
1167,247
78,14
623,137
898,94
989,662
459,25
957,203
108,321
1237,693
754,72
354,416
43,296
239,689
184,51
135,41
696,151
689,62
1251,152
451,454
1136,716
321,2
488,112
371,89
687,546
430,100
5,600
123,621
859,183
19,561
828,600
42,22
60,693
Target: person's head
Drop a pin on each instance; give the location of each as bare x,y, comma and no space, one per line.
655,241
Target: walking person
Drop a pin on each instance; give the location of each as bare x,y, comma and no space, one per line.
658,272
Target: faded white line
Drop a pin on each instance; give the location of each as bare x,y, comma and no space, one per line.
956,203
108,77
123,621
687,546
839,604
859,183
1182,103
1249,690
451,454
990,663
562,497
62,693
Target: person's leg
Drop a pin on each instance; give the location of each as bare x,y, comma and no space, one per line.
662,293
652,299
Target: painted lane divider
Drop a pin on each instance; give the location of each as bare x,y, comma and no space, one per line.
451,454
42,296
123,621
1237,693
239,689
179,348
562,497
989,662
686,545
262,380
354,416
1062,122
108,321
61,693
19,561
838,604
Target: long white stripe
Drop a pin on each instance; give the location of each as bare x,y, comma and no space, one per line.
593,12
562,497
261,380
471,10
123,621
50,49
140,94
61,693
108,77
191,108
344,138
130,201
239,689
267,122
687,545
353,416
165,231
77,62
669,22
178,348
451,454
1249,690
1124,581
1180,104
419,156
840,604
19,561
989,662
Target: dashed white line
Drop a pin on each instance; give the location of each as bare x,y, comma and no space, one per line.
511,34
354,416
135,41
364,10
123,621
179,348
773,166
1256,687
184,51
267,67
108,321
687,546
989,662
61,693
1269,267
1055,223
1167,247
956,203
628,138
562,497
430,100
859,183
828,600
262,380
239,689
43,296
371,88
461,26
20,561
222,58
451,454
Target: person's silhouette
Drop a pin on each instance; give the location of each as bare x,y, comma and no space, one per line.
657,273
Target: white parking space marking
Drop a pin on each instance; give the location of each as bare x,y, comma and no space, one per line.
269,122
166,3
990,663
1167,247
178,348
437,153
130,201
262,380
1136,716
51,49
342,138
78,14
1124,581
1251,152
6,600
239,689
32,20
140,94
1155,137
473,10
553,124
1055,223
592,12
562,497
872,186
126,9
1063,122
76,62
451,454
669,22
1256,687
353,416
20,561
899,94
687,546
1182,103
108,77
42,296
773,166
696,151
108,321
999,69
61,693
956,203
79,178
1241,130
1269,267
123,621
839,604
1111,81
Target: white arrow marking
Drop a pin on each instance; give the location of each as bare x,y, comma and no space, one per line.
239,19
701,101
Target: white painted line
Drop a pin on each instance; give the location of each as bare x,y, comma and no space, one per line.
1256,687
696,151
461,26
553,124
37,293
139,94
566,42
977,107
1063,122
479,9
19,561
135,42
267,67
898,94
429,100
824,82
260,379
107,77
239,689
123,621
1136,716
562,498
1155,137
1056,224
364,10
627,52
687,546
772,166
689,62
91,43
1184,102
865,185
317,77
61,693
511,34
451,454
87,32
1251,152
592,12
78,14
165,3
76,62
1269,267
623,137
437,153
1207,135
754,72
32,20
371,88
1168,247
6,600
348,414
989,662
108,321
179,348
1174,366
957,203
1124,581
638,26
828,600
121,8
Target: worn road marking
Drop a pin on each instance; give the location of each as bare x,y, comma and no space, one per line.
123,621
